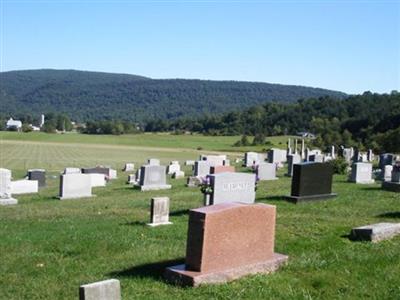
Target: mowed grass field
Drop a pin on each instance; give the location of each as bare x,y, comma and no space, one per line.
49,247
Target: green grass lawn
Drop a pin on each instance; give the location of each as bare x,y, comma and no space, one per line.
155,140
49,247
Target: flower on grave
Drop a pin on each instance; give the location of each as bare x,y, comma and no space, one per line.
205,186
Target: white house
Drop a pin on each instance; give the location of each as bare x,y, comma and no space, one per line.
14,124
306,134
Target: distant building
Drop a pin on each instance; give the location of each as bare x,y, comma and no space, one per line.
14,124
306,134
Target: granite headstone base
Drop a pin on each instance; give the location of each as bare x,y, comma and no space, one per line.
145,188
180,276
298,199
8,201
375,232
391,186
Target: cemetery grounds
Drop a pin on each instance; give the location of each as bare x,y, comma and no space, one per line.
50,247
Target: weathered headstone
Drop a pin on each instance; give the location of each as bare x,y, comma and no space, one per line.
189,163
153,162
5,188
202,168
153,177
112,174
178,175
193,181
291,160
103,290
375,232
347,154
159,211
266,171
129,167
214,160
39,175
72,170
75,186
228,241
277,156
131,179
210,157
231,187
363,157
316,158
386,174
251,159
311,181
97,180
173,167
19,187
361,173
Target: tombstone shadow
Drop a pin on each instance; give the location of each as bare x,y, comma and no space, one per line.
372,188
343,181
134,223
346,236
391,214
353,238
178,213
126,187
273,198
151,270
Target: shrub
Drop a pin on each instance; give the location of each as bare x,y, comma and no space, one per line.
339,165
244,141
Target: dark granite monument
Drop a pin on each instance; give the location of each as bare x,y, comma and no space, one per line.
394,184
96,170
311,181
39,175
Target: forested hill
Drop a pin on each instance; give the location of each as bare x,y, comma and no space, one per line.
96,96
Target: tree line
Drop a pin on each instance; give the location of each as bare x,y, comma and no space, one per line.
367,121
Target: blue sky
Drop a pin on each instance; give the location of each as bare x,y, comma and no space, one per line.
351,46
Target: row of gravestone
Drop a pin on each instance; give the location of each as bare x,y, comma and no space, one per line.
35,179
217,229
217,241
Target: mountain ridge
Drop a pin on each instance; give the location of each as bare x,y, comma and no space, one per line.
88,95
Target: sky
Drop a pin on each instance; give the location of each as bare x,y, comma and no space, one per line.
350,46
